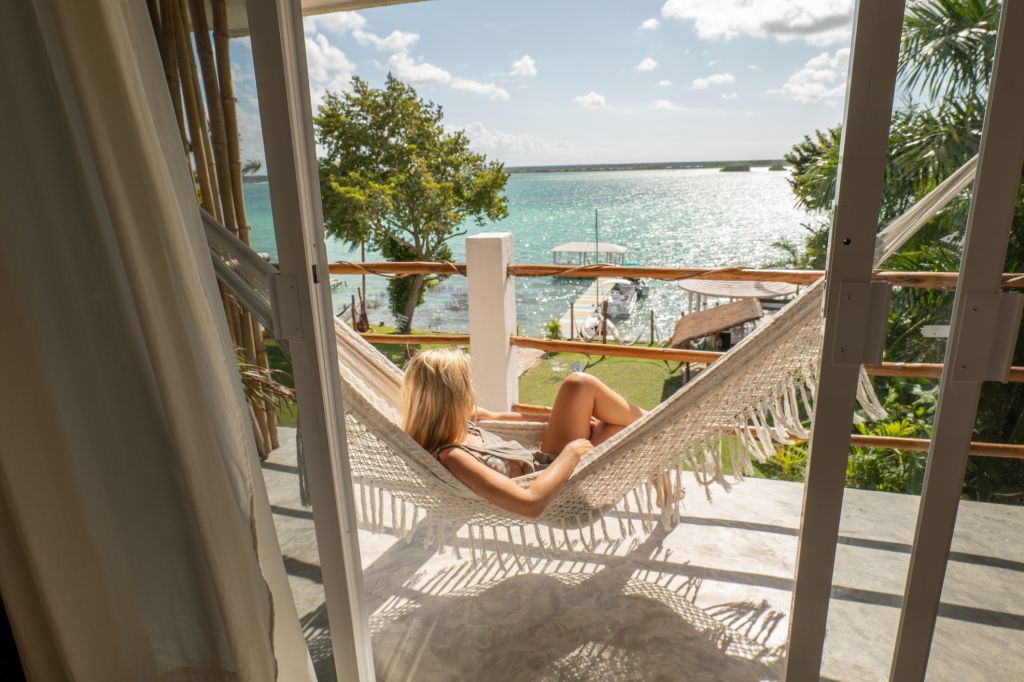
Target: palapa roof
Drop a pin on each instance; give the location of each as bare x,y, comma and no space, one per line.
724,289
714,320
588,247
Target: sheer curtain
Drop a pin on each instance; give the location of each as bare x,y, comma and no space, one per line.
135,531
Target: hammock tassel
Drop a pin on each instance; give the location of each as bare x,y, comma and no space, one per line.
540,541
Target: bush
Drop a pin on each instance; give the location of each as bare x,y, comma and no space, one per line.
553,329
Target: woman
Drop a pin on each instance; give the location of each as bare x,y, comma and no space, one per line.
438,405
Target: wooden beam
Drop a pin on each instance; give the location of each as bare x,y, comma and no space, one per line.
978,448
638,352
913,280
908,370
416,339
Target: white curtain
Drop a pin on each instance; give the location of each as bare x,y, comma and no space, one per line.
135,532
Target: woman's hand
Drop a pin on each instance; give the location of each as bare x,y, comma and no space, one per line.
577,448
506,493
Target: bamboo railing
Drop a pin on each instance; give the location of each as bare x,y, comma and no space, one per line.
207,118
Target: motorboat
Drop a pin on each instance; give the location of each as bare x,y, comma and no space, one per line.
623,295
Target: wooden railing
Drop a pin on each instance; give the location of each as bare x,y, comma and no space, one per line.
978,449
910,370
916,280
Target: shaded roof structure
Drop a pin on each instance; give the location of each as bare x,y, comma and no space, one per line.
714,320
723,289
588,247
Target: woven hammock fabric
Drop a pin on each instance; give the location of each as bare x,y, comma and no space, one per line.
738,408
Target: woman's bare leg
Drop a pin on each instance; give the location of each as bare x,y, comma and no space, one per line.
580,397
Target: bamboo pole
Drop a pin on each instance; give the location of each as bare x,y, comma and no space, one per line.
230,114
168,58
913,280
204,49
193,112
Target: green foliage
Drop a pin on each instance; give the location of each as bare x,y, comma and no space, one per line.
788,464
392,177
948,47
553,329
894,471
251,166
735,168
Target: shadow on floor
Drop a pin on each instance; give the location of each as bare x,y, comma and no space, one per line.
620,622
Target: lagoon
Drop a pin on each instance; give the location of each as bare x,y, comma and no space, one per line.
679,217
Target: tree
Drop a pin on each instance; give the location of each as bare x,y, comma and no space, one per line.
393,178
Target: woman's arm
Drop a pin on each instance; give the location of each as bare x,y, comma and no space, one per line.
481,413
503,492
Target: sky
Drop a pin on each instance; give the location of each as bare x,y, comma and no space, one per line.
537,82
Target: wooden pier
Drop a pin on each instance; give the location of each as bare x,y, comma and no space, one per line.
583,306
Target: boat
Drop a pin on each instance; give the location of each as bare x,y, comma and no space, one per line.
621,297
591,329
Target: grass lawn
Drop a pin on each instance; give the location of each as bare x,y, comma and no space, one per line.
644,382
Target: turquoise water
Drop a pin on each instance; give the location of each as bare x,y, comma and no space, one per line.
698,217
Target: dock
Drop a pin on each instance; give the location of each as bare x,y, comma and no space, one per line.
584,305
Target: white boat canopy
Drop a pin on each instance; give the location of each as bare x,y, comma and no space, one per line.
724,289
588,247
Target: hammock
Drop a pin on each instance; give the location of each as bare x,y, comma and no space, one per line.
738,408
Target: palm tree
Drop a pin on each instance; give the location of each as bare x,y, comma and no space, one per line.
948,48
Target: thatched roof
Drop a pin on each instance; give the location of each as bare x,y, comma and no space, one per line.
713,320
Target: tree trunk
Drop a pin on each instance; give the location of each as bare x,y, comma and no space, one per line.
409,307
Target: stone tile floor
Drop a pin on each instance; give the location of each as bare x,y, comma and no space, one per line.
706,601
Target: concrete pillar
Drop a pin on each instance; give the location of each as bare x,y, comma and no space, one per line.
492,320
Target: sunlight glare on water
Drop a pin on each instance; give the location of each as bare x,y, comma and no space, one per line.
693,217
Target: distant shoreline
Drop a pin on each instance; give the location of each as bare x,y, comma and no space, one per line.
655,165
588,167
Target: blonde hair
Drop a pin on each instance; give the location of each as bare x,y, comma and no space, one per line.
437,397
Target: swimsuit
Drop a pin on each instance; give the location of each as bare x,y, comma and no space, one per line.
500,454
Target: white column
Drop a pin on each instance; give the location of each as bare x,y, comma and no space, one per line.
492,319
303,299
982,333
853,322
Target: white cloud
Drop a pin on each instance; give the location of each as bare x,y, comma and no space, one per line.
713,62
647,64
823,78
664,105
329,68
713,79
477,88
591,100
417,73
650,24
339,22
729,95
395,42
816,22
524,66
753,67
664,84
504,144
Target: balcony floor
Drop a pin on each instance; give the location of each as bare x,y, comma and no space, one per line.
706,601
